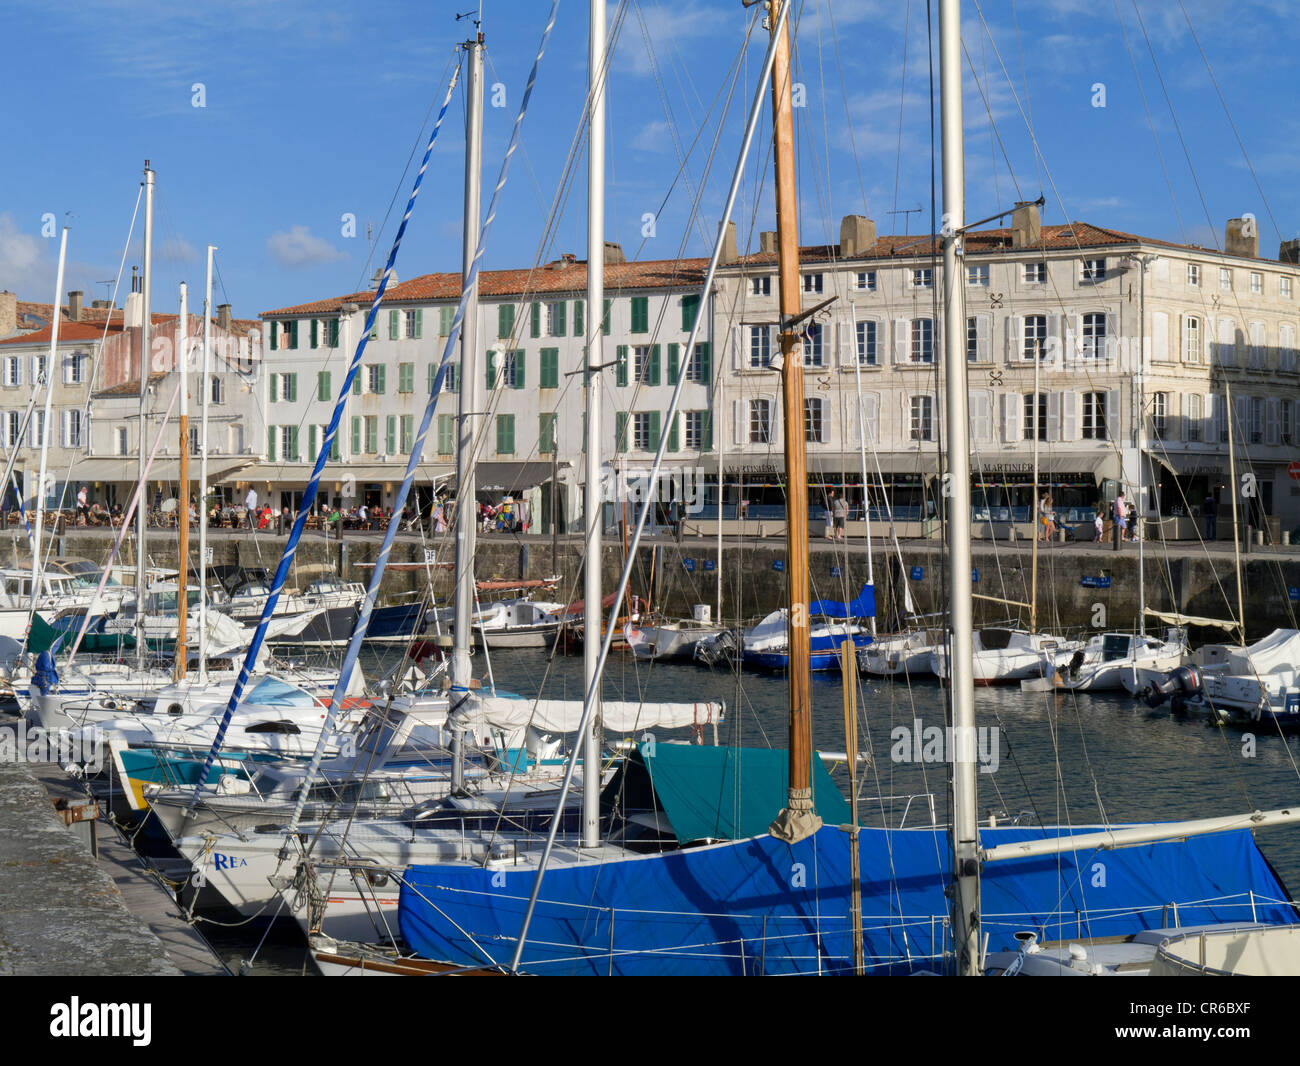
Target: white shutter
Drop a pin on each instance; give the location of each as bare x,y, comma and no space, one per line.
1213,418
1054,355
1013,352
740,422
1207,341
1112,415
1160,336
1069,415
736,356
1227,348
844,347
1073,339
852,432
983,329
1053,416
979,416
67,369
1241,431
871,416
67,428
1272,419
1010,417
902,341
1111,354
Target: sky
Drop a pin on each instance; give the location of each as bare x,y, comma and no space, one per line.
283,132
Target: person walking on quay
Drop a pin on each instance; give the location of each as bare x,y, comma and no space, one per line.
1099,527
250,506
83,506
1210,510
839,513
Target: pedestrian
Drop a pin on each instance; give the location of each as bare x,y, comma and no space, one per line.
83,506
1099,526
250,507
1121,516
1211,512
1133,531
839,513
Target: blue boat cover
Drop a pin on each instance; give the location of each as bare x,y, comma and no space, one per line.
761,906
728,793
862,607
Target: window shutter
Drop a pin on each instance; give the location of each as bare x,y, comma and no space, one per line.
334,333
521,360
444,434
315,332
673,440
274,384
356,436
654,431
1211,419
1112,415
1015,349
706,438
579,325
902,341
549,364
652,375
433,377
293,443
270,439
673,371
381,384
491,370
690,311
706,362
1069,415
406,377
505,321
291,394
323,386
394,324
1053,350
605,325
979,410
983,331
1160,336
739,422
390,435
559,318
419,323
1010,417
621,372
620,431
275,336
293,334
356,381
1053,416
537,319
845,348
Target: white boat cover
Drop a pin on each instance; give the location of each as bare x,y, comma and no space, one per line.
563,716
1278,651
1175,619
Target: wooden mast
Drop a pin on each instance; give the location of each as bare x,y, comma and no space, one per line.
799,819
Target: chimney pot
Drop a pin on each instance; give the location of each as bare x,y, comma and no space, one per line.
74,306
1289,252
614,253
1241,237
729,255
857,236
767,240
8,313
1026,226
223,316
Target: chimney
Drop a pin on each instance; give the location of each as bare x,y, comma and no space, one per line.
223,316
1289,252
1242,238
379,276
857,236
614,253
767,241
101,305
8,313
74,306
1026,226
729,255
135,280
133,312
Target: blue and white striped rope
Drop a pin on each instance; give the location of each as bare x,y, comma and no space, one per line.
417,448
309,494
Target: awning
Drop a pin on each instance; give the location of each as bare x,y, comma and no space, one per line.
1101,465
334,473
1190,464
127,468
513,477
755,472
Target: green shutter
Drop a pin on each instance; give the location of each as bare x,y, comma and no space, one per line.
270,443
706,362
356,437
505,434
390,435
690,311
620,431
673,444
372,434
323,393
334,333
408,431
315,326
293,334
274,386
291,390
654,431
706,432
559,318
546,434
275,335
446,316
579,325
505,321
673,371
312,443
405,377
382,375
356,381
334,448
605,325
419,323
433,376
640,314
520,360
446,427
293,443
491,370
549,373
652,372
394,324
621,378
537,319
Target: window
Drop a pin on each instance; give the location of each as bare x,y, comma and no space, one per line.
1256,282
1035,273
372,434
923,278
760,421
1286,421
194,440
38,368
1094,335
555,319
1195,417
122,443
410,323
814,423
643,364
812,345
867,280
1094,270
375,378
288,443
1258,352
13,371
1284,287
1225,279
867,340
1035,340
284,387
640,314
505,434
812,283
546,426
760,347
74,372
977,275
922,415
11,428
1256,420
760,286
38,429
511,365
1094,416
923,341
1224,418
72,428
1035,421
641,431
1191,339
406,435
972,340
1193,274
695,429
451,383
696,365
1159,413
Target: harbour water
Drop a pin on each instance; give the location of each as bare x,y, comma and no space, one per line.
1058,759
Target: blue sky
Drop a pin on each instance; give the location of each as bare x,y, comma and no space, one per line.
311,110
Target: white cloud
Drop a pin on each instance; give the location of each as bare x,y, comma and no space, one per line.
652,138
298,248
21,255
179,250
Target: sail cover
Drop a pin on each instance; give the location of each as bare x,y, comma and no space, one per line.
562,716
864,606
761,906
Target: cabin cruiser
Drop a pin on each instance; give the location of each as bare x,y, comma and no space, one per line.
673,640
1003,654
1110,661
907,653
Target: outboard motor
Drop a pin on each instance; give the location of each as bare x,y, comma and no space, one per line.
1177,687
46,676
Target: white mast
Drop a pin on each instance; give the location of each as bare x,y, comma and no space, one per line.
141,511
204,390
183,511
471,403
45,428
1142,261
593,510
862,447
965,830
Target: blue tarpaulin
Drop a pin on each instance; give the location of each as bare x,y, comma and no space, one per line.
762,906
864,606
